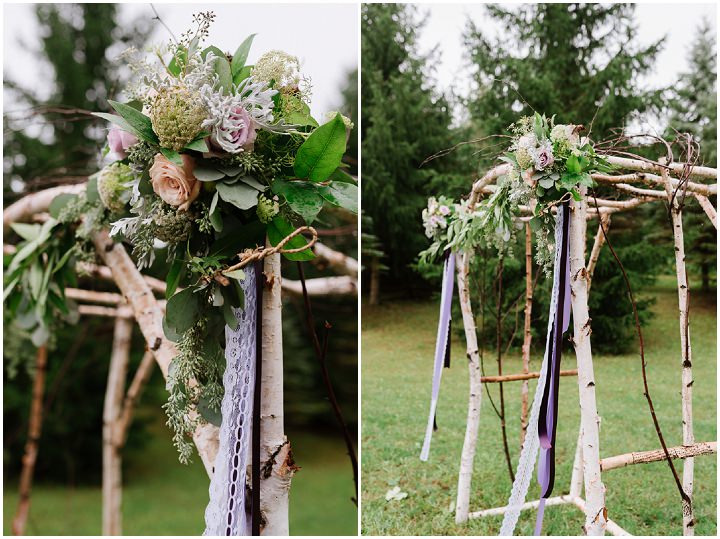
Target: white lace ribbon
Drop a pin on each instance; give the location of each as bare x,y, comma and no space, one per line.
529,453
226,513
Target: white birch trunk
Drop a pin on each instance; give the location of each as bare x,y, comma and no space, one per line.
685,352
462,505
277,463
112,410
149,314
595,512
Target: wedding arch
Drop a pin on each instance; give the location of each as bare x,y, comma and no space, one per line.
220,164
635,181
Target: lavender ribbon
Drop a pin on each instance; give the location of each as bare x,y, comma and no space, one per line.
547,421
441,346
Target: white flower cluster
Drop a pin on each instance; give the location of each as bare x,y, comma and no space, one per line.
531,152
435,216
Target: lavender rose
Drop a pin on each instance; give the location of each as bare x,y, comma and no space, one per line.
175,185
543,156
234,133
119,141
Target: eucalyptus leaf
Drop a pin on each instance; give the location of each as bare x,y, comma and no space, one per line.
252,182
206,174
26,231
59,202
322,152
207,412
239,195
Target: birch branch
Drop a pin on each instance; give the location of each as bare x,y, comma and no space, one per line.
643,457
29,205
597,246
521,377
32,444
708,207
335,260
141,378
323,286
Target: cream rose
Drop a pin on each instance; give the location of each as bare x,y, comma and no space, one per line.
175,185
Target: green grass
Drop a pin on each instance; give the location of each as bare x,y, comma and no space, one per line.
163,497
398,345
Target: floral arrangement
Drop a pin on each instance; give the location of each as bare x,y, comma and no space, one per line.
548,165
211,157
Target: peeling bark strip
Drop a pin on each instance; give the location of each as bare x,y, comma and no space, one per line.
462,504
595,517
685,351
112,414
32,444
643,457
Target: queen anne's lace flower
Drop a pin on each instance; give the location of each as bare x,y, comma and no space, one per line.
267,209
177,115
278,67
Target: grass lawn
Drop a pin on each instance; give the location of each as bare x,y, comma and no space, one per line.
398,345
163,497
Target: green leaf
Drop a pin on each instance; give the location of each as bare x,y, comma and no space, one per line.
341,176
35,279
222,68
322,152
241,54
179,59
230,318
198,145
573,165
59,202
173,278
243,74
278,230
121,122
239,195
300,114
341,194
252,182
546,182
140,124
183,310
26,231
302,197
172,156
205,174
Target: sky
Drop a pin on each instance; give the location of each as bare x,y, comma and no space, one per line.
323,36
446,22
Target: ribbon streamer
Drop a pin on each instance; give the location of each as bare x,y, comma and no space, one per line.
442,347
530,448
228,513
547,422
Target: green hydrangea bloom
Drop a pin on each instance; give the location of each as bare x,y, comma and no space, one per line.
267,209
173,226
112,186
177,115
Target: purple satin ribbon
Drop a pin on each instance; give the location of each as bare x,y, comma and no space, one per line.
441,346
547,421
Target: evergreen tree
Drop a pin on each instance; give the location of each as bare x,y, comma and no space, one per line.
404,121
694,110
52,138
572,60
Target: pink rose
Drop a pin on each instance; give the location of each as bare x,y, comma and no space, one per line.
119,141
234,133
175,185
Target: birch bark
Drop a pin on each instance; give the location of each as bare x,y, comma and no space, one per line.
685,350
112,410
595,512
462,505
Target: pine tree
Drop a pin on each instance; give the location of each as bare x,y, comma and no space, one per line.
79,42
572,60
694,110
404,121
